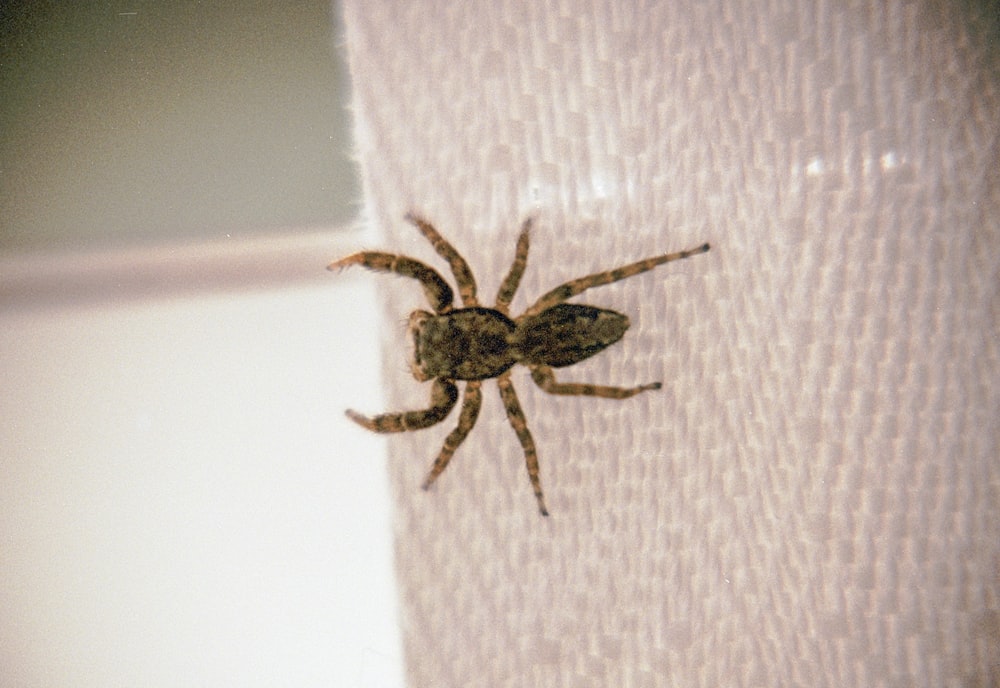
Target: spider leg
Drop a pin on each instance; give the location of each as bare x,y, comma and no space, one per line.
459,268
545,378
513,278
520,425
444,394
574,287
438,292
471,401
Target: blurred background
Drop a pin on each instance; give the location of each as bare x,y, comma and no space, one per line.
181,499
130,121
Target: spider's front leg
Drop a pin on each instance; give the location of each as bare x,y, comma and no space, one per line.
444,394
545,378
438,292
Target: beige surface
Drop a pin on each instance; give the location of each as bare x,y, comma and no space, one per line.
813,497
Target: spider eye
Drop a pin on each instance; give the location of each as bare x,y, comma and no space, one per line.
418,320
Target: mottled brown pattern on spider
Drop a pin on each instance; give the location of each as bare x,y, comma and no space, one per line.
474,343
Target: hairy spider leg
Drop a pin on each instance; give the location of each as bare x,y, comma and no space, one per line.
545,378
513,278
444,394
472,400
577,286
438,292
459,268
517,421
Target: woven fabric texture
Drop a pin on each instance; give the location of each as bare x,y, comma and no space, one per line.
812,498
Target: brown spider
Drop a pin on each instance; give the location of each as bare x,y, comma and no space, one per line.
474,343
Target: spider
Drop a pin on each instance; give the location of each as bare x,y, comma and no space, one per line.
474,343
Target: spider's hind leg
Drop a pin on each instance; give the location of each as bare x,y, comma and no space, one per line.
444,394
545,378
471,402
577,286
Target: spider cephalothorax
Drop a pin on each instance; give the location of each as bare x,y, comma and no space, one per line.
474,343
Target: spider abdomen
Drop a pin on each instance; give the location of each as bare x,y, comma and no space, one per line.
567,333
463,344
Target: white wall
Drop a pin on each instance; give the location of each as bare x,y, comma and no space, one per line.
182,501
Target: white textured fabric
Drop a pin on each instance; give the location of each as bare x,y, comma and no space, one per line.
812,499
